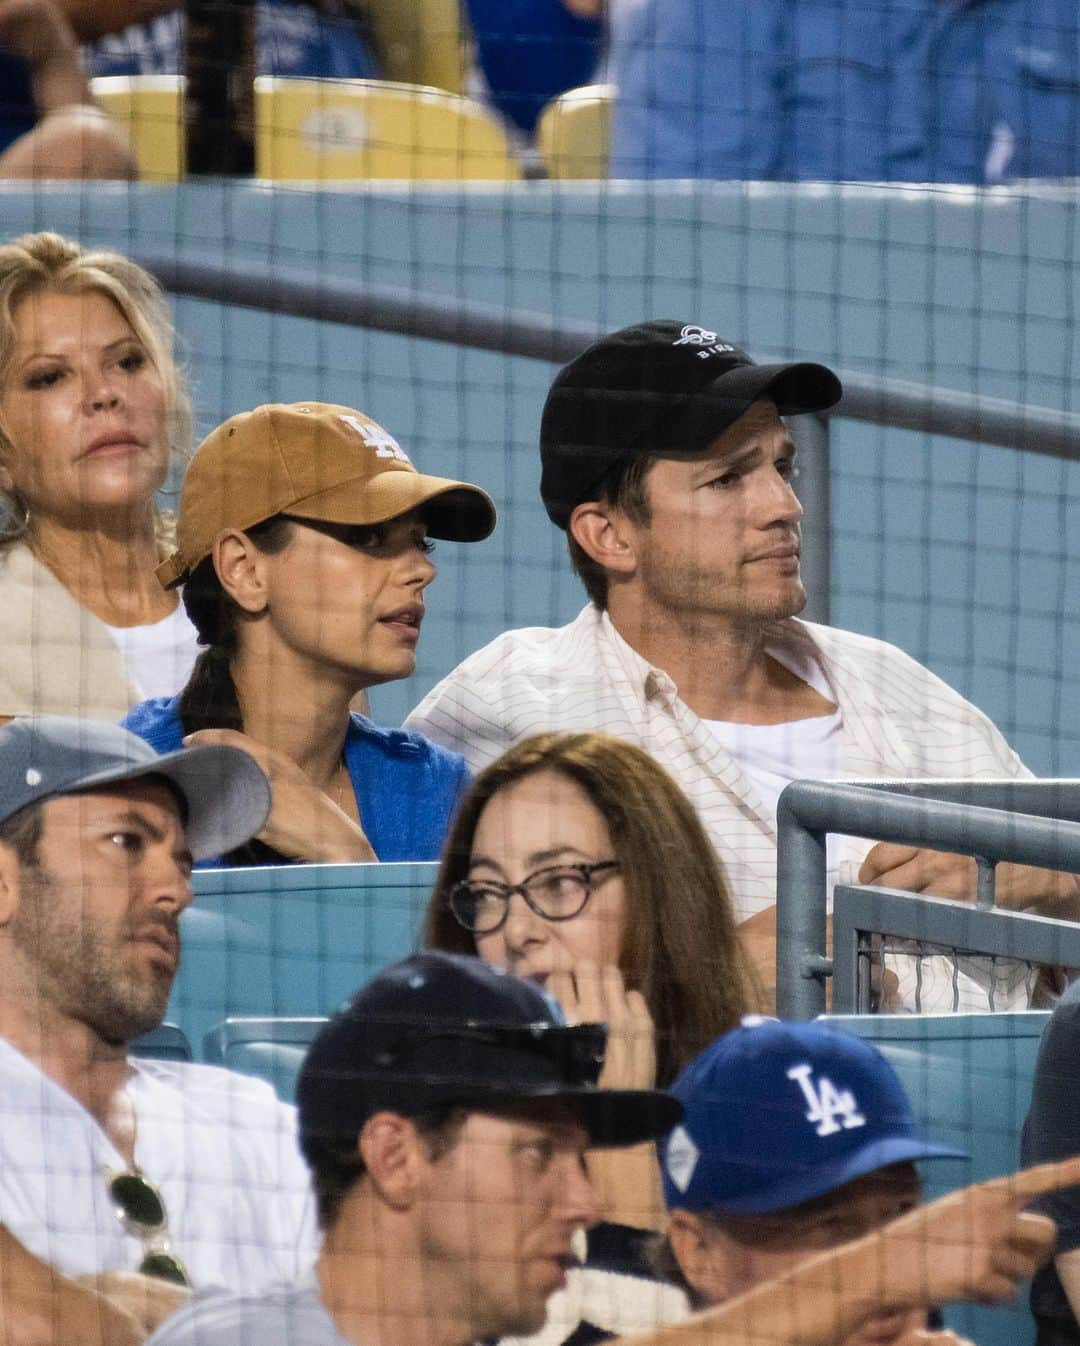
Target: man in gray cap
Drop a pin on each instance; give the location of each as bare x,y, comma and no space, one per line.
110,1163
667,463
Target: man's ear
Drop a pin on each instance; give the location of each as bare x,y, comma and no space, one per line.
606,535
10,884
700,1248
393,1156
240,568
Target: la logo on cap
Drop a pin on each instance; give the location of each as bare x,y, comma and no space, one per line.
829,1108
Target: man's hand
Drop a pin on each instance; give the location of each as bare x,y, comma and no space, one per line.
148,1299
942,874
39,1307
38,31
303,821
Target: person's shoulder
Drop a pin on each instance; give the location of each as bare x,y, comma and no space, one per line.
525,647
157,720
217,1092
280,1315
890,668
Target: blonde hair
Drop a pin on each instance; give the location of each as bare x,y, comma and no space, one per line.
680,947
49,263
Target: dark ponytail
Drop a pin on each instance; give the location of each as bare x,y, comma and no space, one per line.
209,699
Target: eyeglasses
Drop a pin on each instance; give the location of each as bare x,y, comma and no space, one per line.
557,893
141,1210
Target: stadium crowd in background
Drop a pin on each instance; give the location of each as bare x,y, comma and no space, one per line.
302,546
667,464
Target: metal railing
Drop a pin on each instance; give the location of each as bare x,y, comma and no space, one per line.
1026,822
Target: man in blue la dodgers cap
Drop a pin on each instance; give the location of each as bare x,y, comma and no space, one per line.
110,1163
796,1137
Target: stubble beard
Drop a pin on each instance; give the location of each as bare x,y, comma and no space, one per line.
84,975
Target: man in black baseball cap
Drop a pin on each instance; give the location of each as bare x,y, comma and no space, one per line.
110,1164
667,461
445,1113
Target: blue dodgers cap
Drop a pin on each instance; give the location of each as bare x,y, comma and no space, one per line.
445,1029
226,794
779,1113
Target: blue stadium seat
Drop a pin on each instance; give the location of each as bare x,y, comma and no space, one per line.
167,1042
293,940
969,1079
272,1049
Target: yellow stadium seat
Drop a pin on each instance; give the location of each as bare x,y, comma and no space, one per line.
333,130
574,132
151,108
420,42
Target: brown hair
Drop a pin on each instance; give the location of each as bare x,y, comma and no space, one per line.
47,262
680,947
624,489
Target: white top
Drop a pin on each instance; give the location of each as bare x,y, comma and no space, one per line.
159,657
219,1147
898,721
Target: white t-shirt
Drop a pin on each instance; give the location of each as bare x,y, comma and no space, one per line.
220,1148
159,657
774,755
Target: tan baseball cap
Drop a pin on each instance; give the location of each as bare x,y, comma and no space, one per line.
317,461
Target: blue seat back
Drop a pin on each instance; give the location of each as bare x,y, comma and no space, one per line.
272,1049
969,1079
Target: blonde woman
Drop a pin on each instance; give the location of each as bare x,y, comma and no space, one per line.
93,411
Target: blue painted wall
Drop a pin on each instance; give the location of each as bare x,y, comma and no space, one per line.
962,554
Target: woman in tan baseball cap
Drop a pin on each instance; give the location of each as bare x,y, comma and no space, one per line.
302,545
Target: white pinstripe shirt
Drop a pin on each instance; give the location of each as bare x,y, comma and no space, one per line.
899,721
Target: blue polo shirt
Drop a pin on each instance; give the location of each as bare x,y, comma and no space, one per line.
407,788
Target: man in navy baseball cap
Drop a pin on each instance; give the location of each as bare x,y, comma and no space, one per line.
796,1137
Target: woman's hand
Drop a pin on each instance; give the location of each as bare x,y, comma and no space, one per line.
627,1181
598,995
304,822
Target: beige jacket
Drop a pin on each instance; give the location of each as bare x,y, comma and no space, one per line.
55,657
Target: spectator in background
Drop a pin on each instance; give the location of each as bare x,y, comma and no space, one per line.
302,543
577,862
110,1164
93,411
326,40
50,126
902,91
528,51
667,462
1052,1131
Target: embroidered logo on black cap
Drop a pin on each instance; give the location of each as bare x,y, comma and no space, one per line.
701,336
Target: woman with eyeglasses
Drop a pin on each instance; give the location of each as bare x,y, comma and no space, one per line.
303,545
576,861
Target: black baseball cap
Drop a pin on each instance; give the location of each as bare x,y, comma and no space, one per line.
661,387
445,1029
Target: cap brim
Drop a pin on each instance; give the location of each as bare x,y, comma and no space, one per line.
613,1118
817,1181
225,790
796,389
454,510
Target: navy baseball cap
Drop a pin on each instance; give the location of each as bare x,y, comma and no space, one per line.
779,1113
662,387
225,793
444,1029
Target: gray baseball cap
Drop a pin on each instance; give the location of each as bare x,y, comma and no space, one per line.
226,794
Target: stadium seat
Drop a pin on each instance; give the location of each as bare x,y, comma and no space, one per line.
151,108
167,1042
969,1078
574,132
421,42
334,130
272,1049
292,940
